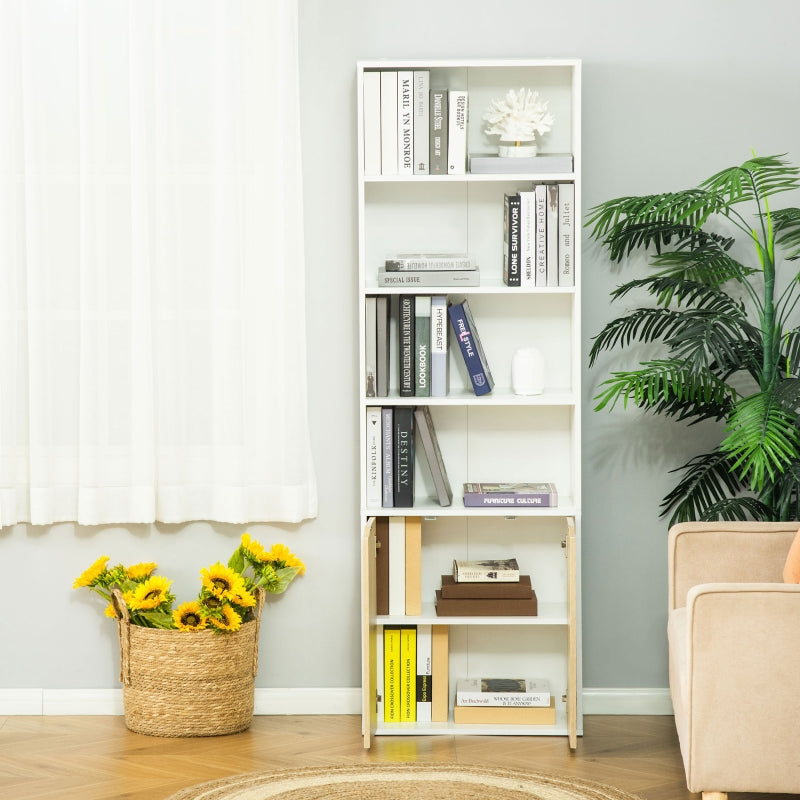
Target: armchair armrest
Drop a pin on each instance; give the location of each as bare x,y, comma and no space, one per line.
742,686
716,552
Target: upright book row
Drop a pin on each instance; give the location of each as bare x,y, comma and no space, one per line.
422,347
412,128
539,236
394,435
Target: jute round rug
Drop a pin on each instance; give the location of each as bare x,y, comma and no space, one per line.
401,782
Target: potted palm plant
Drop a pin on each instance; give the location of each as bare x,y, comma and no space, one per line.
723,316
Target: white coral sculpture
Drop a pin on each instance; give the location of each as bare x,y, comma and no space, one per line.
519,116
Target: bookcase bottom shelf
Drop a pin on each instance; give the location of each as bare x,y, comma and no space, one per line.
450,728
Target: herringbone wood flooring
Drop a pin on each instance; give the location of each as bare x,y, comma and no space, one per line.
97,758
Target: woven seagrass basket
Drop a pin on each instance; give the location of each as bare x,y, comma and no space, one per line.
188,683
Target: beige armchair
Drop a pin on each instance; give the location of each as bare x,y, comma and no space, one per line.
734,657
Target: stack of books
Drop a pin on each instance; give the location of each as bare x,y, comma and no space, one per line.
435,269
486,589
506,701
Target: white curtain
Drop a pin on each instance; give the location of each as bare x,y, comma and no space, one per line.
152,339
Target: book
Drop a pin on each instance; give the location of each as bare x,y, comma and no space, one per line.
509,715
374,447
540,242
382,347
387,458
421,278
543,495
397,565
388,122
544,164
527,234
488,607
382,565
422,83
471,348
438,132
422,345
391,673
424,673
403,454
370,345
413,575
488,569
440,672
440,360
406,345
566,234
511,239
457,104
452,590
523,692
408,673
426,434
371,131
420,262
405,122
552,234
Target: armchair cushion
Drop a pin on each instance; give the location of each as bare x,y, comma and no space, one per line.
791,567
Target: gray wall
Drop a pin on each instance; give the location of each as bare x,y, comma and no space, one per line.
671,94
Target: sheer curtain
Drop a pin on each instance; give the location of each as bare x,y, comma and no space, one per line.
152,322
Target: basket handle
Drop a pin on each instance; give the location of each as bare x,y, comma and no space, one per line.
261,597
124,631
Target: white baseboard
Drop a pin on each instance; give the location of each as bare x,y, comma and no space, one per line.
104,702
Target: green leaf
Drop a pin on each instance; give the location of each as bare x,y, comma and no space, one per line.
756,179
236,561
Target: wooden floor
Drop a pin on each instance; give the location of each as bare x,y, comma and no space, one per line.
97,758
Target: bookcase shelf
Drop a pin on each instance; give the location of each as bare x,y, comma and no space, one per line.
499,436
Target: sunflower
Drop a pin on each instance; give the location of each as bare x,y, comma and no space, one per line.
226,620
111,611
253,549
222,581
90,576
138,572
189,617
284,557
243,598
150,594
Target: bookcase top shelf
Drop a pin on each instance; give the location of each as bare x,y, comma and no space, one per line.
476,177
477,63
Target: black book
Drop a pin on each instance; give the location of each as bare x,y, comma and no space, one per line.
403,456
406,344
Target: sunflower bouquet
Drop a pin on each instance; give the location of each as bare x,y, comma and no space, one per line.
227,597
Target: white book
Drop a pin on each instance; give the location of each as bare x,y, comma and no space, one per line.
422,132
397,566
388,122
541,234
374,456
503,692
372,123
370,346
387,460
527,259
566,234
424,673
457,132
440,362
552,234
405,122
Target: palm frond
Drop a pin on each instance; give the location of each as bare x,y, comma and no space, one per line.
707,481
757,178
762,439
791,352
786,227
732,509
670,388
708,264
785,493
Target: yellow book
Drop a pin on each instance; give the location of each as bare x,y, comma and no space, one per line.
440,671
408,674
391,674
413,566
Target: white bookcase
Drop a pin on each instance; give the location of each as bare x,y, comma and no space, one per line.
496,437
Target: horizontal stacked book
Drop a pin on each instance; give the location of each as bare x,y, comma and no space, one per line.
513,495
486,588
509,701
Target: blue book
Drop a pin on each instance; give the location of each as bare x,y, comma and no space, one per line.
470,344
